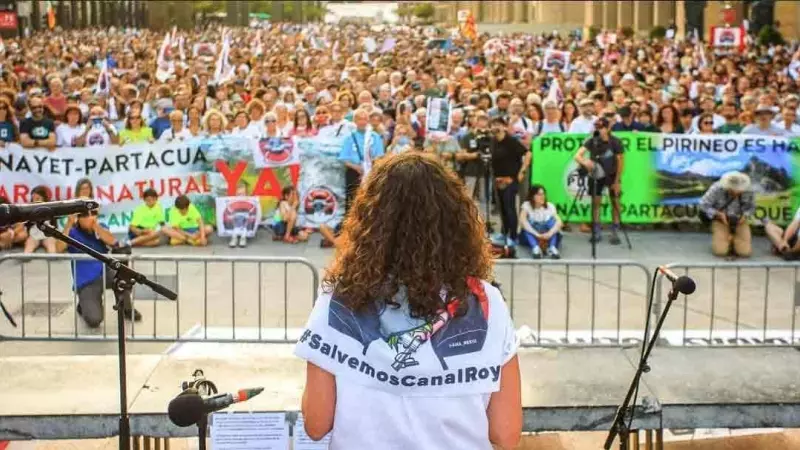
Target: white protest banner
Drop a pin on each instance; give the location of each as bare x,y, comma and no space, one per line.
303,442
322,186
249,431
437,117
556,59
204,49
462,15
240,215
201,168
275,152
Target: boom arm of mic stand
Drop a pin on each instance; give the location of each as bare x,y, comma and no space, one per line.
125,272
618,426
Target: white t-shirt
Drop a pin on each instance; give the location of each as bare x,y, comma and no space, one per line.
717,119
539,215
66,135
547,127
256,129
523,127
395,393
169,135
581,124
98,136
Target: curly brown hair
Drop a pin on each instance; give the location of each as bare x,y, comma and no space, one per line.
411,225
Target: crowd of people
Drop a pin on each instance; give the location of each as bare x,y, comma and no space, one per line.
371,86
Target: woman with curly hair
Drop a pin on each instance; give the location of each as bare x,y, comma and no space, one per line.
405,327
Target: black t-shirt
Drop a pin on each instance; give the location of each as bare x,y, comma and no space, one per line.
507,157
37,129
604,152
473,142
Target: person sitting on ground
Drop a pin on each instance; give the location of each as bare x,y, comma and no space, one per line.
785,243
147,219
11,235
186,225
89,282
285,219
36,237
540,223
728,205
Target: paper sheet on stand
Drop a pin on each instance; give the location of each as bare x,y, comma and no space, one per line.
249,431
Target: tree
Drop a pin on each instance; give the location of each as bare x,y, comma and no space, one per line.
424,11
627,32
315,13
769,35
404,11
658,32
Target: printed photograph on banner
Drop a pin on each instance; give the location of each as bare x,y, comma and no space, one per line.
438,114
727,36
238,215
204,49
688,165
556,59
275,152
321,182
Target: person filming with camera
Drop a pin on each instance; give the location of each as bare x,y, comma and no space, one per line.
509,160
601,158
475,143
727,206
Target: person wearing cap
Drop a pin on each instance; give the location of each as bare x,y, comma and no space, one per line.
601,157
584,123
728,205
763,125
164,106
626,122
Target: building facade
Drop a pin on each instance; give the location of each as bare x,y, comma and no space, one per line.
639,15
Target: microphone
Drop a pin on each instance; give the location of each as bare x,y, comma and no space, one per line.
682,284
40,212
189,407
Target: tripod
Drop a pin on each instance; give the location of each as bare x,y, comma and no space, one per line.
124,280
486,159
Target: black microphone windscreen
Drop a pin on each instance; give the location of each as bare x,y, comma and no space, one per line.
186,410
684,285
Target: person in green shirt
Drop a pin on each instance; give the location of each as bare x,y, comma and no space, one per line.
135,131
147,219
186,225
732,124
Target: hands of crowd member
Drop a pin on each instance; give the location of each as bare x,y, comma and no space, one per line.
71,220
616,187
722,217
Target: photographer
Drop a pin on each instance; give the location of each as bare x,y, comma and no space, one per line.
726,206
509,160
604,166
473,144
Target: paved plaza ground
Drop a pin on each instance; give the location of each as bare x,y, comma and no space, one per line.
560,302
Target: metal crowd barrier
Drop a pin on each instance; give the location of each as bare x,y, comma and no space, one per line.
575,303
266,298
742,303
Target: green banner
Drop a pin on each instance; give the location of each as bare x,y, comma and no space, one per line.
665,175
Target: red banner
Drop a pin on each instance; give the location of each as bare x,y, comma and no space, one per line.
8,20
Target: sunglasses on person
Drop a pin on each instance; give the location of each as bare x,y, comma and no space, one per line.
270,121
709,123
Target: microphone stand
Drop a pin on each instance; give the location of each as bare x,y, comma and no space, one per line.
619,427
124,280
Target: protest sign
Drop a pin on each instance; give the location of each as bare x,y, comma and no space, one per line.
238,214
556,59
437,118
201,168
274,152
322,185
665,175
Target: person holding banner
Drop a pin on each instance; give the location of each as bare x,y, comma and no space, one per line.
604,166
37,131
359,150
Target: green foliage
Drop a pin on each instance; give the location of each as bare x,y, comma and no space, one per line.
769,35
658,32
424,11
627,32
404,10
208,6
314,13
593,32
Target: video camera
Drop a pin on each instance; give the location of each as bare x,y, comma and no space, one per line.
483,139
